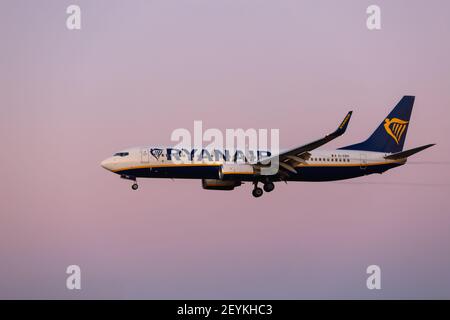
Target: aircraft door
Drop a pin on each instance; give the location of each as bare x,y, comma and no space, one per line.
145,156
363,163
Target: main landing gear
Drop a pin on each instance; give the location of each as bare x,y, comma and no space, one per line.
269,186
134,186
258,192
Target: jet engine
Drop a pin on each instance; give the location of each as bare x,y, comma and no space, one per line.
236,171
214,184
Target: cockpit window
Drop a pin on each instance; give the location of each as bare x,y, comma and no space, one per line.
121,154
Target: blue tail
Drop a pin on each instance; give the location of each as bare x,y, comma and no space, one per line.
391,134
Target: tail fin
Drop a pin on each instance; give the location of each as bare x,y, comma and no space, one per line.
390,136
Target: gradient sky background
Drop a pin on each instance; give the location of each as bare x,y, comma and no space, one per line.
139,69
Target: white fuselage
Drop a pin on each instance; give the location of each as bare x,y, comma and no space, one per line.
145,162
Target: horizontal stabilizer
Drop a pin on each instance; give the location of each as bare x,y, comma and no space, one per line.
407,153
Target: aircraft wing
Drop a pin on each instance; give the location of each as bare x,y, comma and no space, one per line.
289,159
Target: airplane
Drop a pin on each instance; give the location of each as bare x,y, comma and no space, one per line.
382,151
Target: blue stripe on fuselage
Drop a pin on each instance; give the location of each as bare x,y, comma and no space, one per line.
332,173
304,173
181,172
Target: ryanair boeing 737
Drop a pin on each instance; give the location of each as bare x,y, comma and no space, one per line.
219,170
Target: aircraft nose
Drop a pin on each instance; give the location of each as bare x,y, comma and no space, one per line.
107,164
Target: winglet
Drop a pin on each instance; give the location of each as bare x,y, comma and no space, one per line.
344,124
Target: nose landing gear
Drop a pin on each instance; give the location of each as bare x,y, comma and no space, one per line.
134,186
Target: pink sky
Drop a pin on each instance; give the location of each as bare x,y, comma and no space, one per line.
140,69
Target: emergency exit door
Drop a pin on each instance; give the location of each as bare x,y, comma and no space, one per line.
145,156
363,164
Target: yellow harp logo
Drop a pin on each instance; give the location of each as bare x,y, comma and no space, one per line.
395,128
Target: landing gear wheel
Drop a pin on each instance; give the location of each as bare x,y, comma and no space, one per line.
269,186
257,192
134,186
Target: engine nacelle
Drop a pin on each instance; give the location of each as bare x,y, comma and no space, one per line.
236,171
213,184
